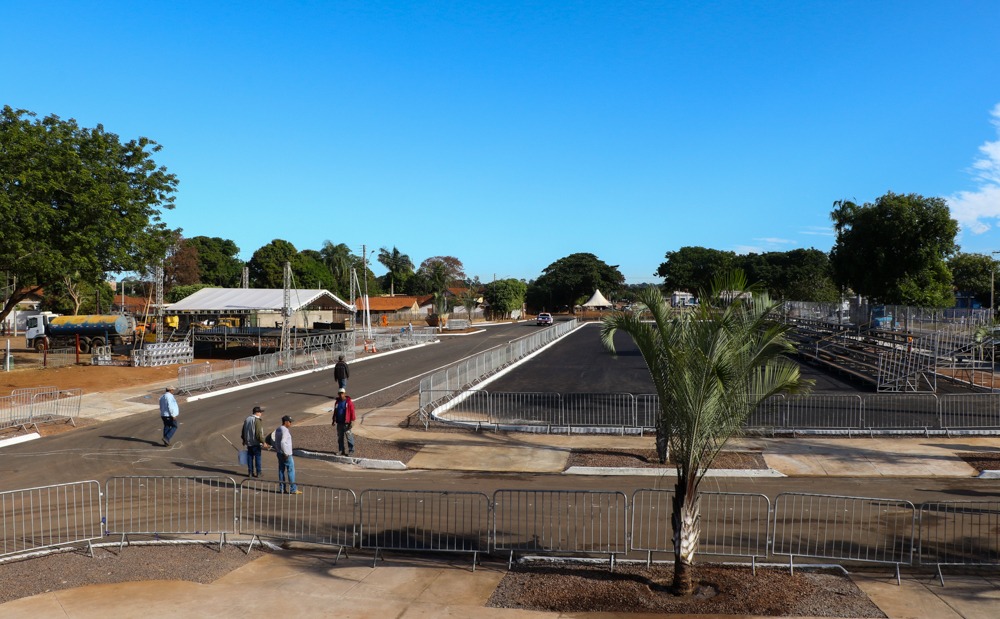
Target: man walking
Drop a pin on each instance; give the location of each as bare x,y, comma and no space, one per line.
253,439
286,465
168,414
341,372
343,417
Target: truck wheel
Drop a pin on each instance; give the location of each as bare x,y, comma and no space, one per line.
39,345
97,341
84,347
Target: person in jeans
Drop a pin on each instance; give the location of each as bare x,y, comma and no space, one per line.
341,372
253,440
168,415
343,417
286,465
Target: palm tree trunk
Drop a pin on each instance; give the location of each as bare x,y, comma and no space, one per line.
686,522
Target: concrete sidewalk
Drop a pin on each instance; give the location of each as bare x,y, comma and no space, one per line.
311,585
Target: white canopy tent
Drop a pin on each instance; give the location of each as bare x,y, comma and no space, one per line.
597,301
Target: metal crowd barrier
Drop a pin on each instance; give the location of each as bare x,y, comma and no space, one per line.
170,506
827,413
560,521
959,533
732,524
470,371
319,515
843,528
35,519
206,376
424,520
567,522
28,406
62,404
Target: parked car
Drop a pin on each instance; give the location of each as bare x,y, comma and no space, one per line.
544,319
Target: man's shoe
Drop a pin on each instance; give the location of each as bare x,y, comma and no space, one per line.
166,443
295,492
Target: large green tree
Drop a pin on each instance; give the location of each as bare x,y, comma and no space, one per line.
974,274
711,369
895,250
77,200
503,296
798,275
692,269
398,264
567,280
267,265
339,259
218,264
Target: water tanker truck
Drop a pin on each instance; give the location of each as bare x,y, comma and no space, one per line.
93,330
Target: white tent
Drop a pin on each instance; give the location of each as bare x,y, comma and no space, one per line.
597,301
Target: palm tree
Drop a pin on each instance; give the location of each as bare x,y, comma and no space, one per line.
398,264
338,258
711,368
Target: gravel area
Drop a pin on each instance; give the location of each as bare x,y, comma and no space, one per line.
721,590
55,572
982,461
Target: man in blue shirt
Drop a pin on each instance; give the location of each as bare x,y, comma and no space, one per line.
168,414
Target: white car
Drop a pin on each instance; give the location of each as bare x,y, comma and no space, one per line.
544,319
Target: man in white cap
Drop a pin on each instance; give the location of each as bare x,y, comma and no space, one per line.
168,414
343,417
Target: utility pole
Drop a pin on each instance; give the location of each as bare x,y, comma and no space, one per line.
286,312
158,274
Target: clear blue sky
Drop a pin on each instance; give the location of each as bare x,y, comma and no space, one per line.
511,134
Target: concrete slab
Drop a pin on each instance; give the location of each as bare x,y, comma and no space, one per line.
486,458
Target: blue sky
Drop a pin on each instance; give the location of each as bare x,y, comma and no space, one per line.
512,134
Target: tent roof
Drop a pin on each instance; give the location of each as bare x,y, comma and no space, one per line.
597,300
246,300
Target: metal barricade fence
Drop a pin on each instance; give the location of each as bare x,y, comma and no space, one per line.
320,515
13,412
823,411
959,533
157,506
526,409
243,370
60,357
55,405
424,520
50,516
598,410
467,407
732,524
901,412
194,377
24,394
647,410
847,528
560,521
970,411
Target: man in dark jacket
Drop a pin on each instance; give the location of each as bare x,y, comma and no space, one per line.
341,372
253,440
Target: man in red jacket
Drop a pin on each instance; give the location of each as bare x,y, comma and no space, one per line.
343,417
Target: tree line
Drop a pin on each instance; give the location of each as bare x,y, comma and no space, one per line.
78,204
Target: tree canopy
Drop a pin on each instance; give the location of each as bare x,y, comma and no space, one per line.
504,296
895,250
77,200
692,268
569,279
973,274
399,266
218,262
799,274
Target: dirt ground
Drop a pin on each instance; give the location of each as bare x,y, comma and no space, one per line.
29,372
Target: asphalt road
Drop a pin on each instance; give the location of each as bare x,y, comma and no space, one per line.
131,445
